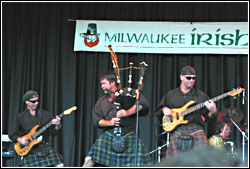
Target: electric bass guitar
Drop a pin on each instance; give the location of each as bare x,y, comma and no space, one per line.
176,118
34,136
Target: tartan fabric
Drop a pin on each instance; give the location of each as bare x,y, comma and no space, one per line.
192,129
33,160
101,152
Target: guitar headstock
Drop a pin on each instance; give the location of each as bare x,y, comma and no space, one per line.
236,91
68,111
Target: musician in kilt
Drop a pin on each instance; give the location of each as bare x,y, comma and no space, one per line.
41,154
107,117
190,135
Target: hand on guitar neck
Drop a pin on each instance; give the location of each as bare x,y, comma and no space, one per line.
56,121
211,106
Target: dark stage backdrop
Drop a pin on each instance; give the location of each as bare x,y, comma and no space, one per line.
38,54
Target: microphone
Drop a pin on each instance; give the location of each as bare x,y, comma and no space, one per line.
243,97
230,142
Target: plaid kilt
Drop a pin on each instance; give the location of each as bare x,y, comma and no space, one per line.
192,129
101,152
33,160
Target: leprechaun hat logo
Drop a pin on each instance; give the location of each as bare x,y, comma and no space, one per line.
91,38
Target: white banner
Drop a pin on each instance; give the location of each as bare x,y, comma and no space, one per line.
162,37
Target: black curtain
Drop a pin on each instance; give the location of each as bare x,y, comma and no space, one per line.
37,54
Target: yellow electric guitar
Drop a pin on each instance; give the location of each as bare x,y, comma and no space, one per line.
33,135
169,123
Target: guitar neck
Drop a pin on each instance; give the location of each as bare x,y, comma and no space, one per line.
201,105
41,130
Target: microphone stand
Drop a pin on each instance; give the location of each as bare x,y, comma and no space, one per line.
160,147
243,140
136,131
142,71
159,151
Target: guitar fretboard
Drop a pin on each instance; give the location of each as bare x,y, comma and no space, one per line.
198,106
41,130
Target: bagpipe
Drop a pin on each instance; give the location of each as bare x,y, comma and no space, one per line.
125,98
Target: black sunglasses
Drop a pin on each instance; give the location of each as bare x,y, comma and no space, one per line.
189,78
33,101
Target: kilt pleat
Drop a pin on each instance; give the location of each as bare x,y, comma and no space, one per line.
32,160
198,134
101,152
